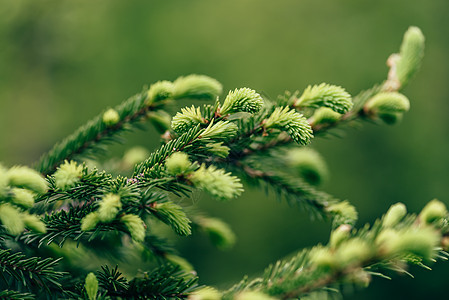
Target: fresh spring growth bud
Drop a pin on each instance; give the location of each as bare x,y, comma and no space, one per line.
205,293
433,212
353,252
174,216
67,175
90,221
387,103
339,235
33,222
222,130
135,155
241,100
160,119
179,261
109,207
324,115
394,215
308,164
135,225
188,117
411,54
111,117
23,198
196,86
219,232
159,91
222,185
325,95
177,163
91,286
292,122
343,212
218,149
11,218
322,257
24,177
253,295
421,242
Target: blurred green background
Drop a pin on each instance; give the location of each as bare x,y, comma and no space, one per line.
62,62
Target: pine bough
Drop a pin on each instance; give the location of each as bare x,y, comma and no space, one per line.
68,208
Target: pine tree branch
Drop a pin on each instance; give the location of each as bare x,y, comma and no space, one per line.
33,272
15,295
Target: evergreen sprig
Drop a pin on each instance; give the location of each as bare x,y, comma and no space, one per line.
89,140
112,216
353,256
30,273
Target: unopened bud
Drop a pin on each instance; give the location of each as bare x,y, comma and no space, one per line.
394,215
111,117
339,235
67,175
91,286
11,218
89,221
109,207
27,178
434,211
177,163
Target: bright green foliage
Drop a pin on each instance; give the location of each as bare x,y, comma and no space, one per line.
325,115
80,212
91,286
344,212
410,55
394,215
217,182
421,241
340,234
196,86
177,163
433,212
221,130
135,226
218,149
293,123
159,91
27,178
111,117
11,219
33,222
174,215
22,197
90,221
188,117
241,100
206,293
109,206
388,106
67,175
325,95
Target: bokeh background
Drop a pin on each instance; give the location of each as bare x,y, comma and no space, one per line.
62,62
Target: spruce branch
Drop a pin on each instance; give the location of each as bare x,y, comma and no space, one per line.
33,273
165,282
89,139
354,256
15,295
